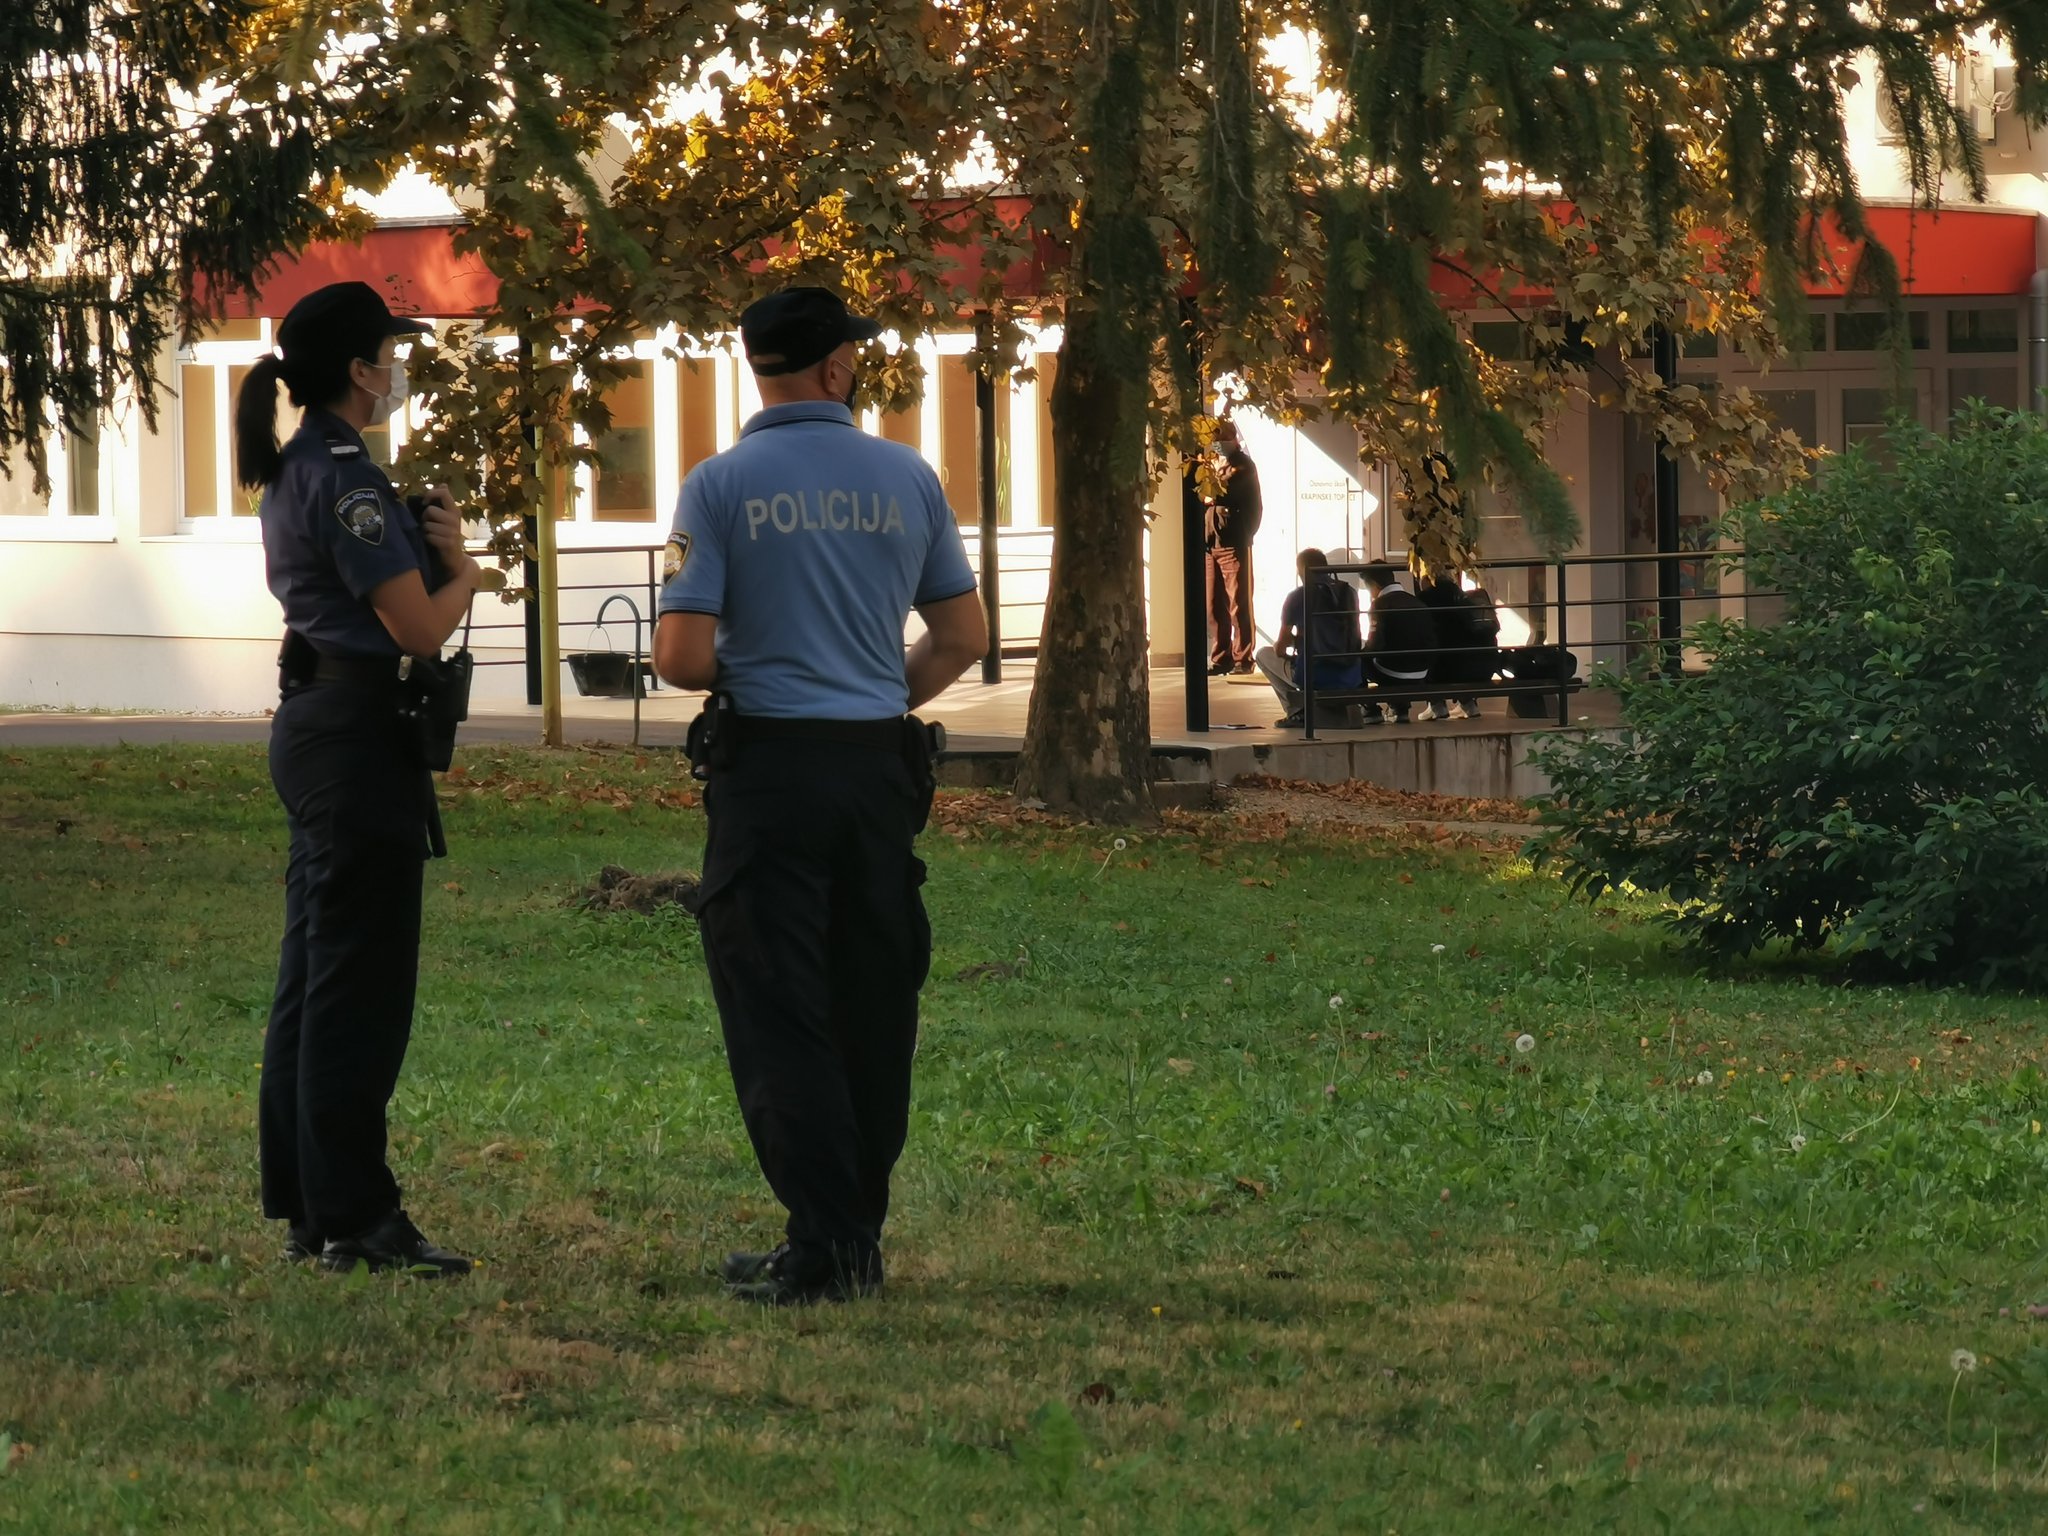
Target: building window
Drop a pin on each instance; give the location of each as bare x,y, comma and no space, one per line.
623,478
1994,386
1867,414
1984,330
75,479
1865,331
1505,341
696,411
904,427
960,441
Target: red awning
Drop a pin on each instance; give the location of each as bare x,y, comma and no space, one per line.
1953,253
415,267
1945,253
418,271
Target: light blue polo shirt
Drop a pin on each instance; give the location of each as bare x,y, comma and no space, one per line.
811,542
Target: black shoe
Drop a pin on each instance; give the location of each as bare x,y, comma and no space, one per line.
1287,723
1218,668
302,1243
782,1282
741,1267
1243,669
393,1244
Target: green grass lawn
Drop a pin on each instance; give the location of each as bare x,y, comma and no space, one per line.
1230,1206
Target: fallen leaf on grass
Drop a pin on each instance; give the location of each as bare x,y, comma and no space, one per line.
983,969
1250,1187
1180,1064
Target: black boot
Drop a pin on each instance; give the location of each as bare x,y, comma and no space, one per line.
393,1244
787,1279
740,1267
302,1242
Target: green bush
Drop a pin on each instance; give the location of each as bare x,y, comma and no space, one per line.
1870,773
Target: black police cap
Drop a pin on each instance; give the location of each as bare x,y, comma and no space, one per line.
345,319
796,327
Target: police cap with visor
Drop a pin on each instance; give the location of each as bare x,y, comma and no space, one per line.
342,319
796,328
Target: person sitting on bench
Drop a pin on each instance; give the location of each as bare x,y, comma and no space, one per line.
1402,645
1467,638
1332,606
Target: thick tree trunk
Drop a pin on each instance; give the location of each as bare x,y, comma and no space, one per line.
1088,743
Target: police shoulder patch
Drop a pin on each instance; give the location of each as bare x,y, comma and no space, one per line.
362,514
674,556
343,450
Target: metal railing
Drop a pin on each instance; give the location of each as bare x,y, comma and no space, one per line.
1545,600
526,619
1015,647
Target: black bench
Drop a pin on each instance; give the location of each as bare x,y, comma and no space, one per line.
1545,675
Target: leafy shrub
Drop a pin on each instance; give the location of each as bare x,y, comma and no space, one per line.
1871,772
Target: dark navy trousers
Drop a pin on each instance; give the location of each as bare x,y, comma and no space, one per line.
355,794
817,942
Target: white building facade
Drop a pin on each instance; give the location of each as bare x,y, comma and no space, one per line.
138,583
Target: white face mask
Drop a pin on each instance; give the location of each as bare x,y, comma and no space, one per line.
396,393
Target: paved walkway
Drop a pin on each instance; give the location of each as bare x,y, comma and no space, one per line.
1483,758
979,716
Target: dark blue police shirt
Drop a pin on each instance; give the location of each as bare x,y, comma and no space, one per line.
333,531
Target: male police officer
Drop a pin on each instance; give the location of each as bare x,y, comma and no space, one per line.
797,556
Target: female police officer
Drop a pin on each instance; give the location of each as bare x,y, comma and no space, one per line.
351,565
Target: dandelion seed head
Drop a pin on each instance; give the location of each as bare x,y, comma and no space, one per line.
1525,1043
1436,949
1961,1361
1798,1143
1336,1003
1119,845
1706,1077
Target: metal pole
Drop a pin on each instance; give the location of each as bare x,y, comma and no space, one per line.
1664,356
985,477
653,618
530,614
1564,693
1194,604
550,611
1305,638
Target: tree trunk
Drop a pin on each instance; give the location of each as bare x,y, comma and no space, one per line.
1088,741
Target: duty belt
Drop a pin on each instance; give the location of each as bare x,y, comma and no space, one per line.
882,735
359,671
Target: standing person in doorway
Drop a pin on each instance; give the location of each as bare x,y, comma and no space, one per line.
797,555
370,594
1230,526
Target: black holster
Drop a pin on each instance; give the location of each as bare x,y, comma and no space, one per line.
923,741
435,700
709,741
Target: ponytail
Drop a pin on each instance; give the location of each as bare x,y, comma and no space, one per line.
257,456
